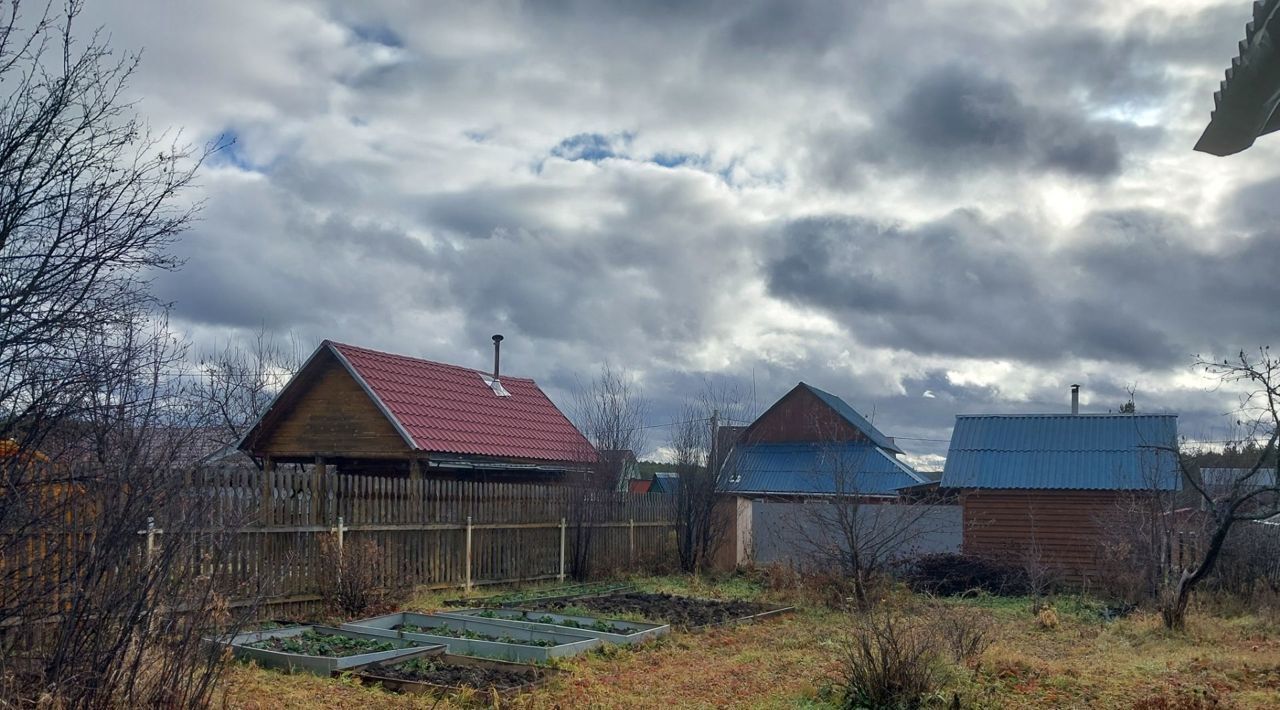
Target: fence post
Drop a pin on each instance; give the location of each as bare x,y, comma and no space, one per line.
268,489
468,553
562,530
341,530
631,544
151,538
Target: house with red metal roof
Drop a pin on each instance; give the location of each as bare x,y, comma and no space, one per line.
365,411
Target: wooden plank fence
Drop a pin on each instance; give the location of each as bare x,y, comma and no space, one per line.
431,533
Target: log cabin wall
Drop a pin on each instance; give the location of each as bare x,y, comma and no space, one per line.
333,415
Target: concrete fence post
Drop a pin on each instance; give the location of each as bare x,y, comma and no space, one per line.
468,578
631,544
342,529
562,538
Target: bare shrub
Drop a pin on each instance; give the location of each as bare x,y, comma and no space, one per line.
951,574
1249,565
890,661
351,587
966,633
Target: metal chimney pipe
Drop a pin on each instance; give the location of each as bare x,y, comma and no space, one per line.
497,352
1075,399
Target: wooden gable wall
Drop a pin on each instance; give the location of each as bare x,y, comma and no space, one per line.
328,415
800,416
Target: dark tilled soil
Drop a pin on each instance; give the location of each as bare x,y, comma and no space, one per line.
442,673
686,612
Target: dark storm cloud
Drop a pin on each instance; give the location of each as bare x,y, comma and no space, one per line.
603,284
794,28
958,120
1255,204
1132,287
330,267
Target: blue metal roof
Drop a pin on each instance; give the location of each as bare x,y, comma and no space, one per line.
1064,451
851,415
815,468
665,482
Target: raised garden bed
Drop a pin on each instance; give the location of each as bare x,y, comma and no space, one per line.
607,630
535,596
323,650
448,673
688,613
488,638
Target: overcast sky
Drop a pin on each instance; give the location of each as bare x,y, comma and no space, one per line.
928,208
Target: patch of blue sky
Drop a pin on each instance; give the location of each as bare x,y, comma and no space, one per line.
676,160
593,147
229,149
377,34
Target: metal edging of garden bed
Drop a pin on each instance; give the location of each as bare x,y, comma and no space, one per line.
555,595
323,665
641,631
566,644
418,687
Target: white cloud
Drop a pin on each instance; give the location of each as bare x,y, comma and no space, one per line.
394,183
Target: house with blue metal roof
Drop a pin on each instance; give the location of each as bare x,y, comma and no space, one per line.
811,443
1048,489
809,446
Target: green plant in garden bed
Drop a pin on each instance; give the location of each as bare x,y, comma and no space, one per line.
598,625
314,643
472,635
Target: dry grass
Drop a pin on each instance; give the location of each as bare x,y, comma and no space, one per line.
793,661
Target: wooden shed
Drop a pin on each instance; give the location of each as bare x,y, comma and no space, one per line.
1045,489
365,411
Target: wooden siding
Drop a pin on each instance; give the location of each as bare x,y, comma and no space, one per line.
330,415
1062,530
801,417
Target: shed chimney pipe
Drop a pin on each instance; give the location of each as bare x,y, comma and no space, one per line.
1075,399
497,351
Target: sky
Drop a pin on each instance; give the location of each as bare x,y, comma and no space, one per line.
927,208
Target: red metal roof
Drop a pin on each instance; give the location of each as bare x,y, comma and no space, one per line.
450,409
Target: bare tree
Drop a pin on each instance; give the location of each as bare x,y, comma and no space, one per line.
1253,494
94,424
115,618
239,379
699,471
857,530
88,205
610,411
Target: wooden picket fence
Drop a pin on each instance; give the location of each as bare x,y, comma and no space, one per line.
430,533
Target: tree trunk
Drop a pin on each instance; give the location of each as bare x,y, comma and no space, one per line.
1174,611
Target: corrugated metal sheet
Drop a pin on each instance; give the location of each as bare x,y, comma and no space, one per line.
450,409
665,482
857,420
1221,478
1064,451
815,469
